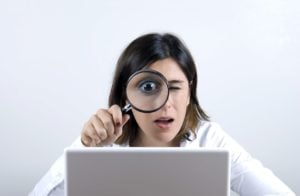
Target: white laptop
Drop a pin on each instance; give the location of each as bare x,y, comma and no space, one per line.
147,172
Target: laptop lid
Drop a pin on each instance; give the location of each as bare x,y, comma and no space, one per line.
146,172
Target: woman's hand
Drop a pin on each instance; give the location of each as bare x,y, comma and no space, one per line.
104,127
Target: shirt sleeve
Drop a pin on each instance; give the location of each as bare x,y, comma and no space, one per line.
52,183
248,176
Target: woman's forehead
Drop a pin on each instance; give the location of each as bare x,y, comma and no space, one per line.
169,69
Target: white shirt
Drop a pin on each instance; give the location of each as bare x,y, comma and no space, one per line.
248,176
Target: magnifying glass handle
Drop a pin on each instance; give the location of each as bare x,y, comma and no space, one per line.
126,108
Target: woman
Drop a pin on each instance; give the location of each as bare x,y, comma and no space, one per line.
180,122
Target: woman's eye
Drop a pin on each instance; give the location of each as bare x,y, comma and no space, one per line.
148,87
174,88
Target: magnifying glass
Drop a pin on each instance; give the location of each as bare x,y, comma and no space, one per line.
146,91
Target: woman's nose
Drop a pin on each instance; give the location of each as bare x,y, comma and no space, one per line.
168,103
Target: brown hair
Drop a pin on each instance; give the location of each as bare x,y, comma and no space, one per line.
142,52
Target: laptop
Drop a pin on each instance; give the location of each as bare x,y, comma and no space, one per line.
135,171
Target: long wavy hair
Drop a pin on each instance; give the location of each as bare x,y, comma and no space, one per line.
141,53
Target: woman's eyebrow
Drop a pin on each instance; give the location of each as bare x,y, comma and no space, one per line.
175,81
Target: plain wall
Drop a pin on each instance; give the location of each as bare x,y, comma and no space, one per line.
57,59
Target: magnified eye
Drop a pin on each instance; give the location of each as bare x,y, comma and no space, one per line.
149,87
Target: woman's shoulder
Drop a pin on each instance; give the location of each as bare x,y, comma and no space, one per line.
209,129
211,134
209,125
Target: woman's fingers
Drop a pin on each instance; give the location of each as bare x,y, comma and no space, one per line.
92,133
107,121
85,140
104,128
119,129
116,114
99,127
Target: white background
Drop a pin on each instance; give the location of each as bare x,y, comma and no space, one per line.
57,59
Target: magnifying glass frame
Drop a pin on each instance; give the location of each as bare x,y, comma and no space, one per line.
129,106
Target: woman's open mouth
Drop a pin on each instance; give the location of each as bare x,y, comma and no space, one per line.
164,122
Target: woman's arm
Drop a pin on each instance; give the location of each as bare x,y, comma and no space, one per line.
52,183
248,176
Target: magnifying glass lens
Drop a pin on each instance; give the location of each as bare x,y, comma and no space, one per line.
147,91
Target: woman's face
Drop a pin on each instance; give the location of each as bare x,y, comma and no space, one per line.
161,127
